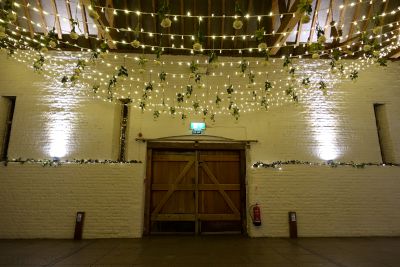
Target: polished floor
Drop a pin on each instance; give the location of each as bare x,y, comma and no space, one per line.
195,251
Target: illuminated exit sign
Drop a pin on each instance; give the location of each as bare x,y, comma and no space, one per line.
197,127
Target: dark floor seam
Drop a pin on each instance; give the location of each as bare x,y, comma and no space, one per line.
57,260
316,253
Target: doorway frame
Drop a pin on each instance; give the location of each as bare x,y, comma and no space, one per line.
195,145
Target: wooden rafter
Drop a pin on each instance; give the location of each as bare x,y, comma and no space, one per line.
274,10
384,9
69,13
222,22
314,20
110,12
28,17
209,24
250,9
368,16
356,14
42,17
57,19
84,19
101,27
298,34
329,15
169,31
288,23
155,21
341,16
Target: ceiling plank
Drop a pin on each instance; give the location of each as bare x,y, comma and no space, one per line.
341,19
250,10
356,14
314,20
367,18
275,11
69,13
28,17
298,35
101,27
110,12
209,25
57,19
185,40
85,23
222,23
42,17
383,10
155,22
287,25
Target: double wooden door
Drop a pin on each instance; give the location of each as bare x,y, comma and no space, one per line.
196,191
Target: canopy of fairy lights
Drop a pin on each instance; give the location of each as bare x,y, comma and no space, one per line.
238,57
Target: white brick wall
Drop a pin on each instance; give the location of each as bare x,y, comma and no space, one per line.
42,202
342,201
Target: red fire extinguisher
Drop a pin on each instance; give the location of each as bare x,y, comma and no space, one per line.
255,214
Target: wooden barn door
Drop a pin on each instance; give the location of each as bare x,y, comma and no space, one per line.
219,187
195,191
172,204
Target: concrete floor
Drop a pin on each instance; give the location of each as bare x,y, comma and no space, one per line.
203,251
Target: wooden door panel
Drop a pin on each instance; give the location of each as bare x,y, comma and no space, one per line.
195,190
172,189
219,191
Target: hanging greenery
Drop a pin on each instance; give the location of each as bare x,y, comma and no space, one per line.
305,9
163,12
38,64
243,66
237,23
229,90
73,34
330,163
264,103
267,86
180,98
354,75
235,113
189,91
306,82
193,66
162,75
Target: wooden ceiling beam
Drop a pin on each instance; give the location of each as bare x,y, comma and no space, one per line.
42,17
57,19
28,17
69,13
209,25
222,23
84,20
250,10
298,34
274,10
155,21
288,23
314,20
183,22
110,12
356,14
101,26
367,18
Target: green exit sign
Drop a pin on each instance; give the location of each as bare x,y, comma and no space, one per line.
197,127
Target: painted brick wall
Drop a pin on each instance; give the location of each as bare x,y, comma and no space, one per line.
342,201
41,202
51,121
